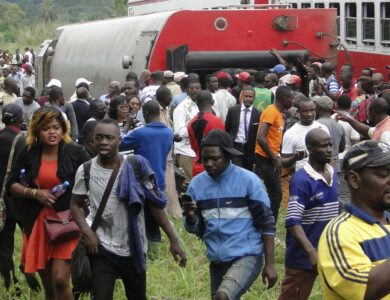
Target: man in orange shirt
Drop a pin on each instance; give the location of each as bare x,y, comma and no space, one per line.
269,139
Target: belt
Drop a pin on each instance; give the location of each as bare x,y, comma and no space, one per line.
240,144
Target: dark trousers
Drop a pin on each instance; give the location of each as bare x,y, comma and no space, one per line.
297,284
265,170
6,251
245,161
107,267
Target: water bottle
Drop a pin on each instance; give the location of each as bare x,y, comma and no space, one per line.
58,190
23,178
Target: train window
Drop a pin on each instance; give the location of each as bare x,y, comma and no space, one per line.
319,5
294,5
368,23
385,24
350,23
337,6
305,5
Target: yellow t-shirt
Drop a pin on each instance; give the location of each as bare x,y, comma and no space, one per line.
274,117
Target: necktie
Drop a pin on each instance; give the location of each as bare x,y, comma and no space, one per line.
246,123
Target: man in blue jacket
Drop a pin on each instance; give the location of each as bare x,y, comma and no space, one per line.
227,206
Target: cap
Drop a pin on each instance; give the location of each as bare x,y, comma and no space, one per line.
366,154
178,76
169,73
324,102
294,79
317,63
244,76
278,69
11,112
82,80
221,139
54,82
224,74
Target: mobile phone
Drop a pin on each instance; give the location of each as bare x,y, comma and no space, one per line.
184,198
23,127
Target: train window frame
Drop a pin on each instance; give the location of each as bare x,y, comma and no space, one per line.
319,5
350,39
385,19
368,23
305,5
336,5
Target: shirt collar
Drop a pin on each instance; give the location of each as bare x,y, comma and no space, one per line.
317,176
360,213
243,107
383,121
155,124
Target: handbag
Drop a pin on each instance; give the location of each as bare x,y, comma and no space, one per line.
60,226
81,271
2,200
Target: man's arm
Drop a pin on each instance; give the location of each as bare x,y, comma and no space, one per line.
299,235
179,123
288,160
262,140
269,272
162,219
359,127
378,284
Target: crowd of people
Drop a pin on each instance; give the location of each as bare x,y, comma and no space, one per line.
214,151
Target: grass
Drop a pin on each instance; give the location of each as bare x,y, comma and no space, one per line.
166,280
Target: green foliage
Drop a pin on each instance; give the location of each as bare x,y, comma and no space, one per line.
11,15
48,11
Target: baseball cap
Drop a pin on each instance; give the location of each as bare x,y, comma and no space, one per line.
54,82
82,80
278,69
294,79
11,111
224,74
366,154
169,74
244,76
221,139
178,76
324,102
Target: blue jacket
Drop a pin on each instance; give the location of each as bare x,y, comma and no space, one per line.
233,212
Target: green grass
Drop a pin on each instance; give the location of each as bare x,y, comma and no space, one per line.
166,280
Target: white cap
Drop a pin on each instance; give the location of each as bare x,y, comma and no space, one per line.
54,82
168,73
82,80
179,76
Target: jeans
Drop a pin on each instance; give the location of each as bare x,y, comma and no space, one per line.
107,267
235,278
265,170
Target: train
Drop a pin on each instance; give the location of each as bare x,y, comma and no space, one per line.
189,39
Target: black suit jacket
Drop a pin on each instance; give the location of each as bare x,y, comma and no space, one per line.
232,125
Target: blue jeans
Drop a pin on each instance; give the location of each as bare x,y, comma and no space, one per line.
235,278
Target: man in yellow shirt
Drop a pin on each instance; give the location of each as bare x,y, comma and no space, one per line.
354,249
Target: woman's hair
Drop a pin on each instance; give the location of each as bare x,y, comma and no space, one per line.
114,103
40,118
139,101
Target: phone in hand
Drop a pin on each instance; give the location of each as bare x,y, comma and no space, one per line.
183,199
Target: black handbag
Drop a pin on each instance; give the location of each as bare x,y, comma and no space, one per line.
81,271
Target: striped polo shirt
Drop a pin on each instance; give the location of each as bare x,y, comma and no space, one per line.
313,203
350,246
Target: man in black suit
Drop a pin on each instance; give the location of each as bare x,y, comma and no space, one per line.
241,123
81,107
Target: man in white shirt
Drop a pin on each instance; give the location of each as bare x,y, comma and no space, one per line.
182,115
28,79
27,103
223,99
149,92
294,138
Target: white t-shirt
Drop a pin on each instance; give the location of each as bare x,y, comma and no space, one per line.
294,140
113,230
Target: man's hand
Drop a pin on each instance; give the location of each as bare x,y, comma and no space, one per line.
343,117
269,274
299,155
313,259
277,162
92,242
178,252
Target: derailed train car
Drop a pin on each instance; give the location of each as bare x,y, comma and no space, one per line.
187,40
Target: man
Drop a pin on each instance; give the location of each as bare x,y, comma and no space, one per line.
313,203
170,83
8,95
239,228
131,89
45,93
17,57
81,107
17,75
294,137
182,115
271,82
353,255
81,82
97,110
211,83
27,103
114,254
378,117
114,89
27,80
242,122
378,80
348,83
330,87
144,79
28,54
200,126
223,98
243,79
263,95
149,92
269,139
153,141
176,100
324,109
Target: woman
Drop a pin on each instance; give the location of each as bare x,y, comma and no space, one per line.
135,106
359,107
119,110
49,158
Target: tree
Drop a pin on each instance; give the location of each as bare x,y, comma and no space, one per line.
11,15
48,12
120,7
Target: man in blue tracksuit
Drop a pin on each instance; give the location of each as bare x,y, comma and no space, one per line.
227,206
